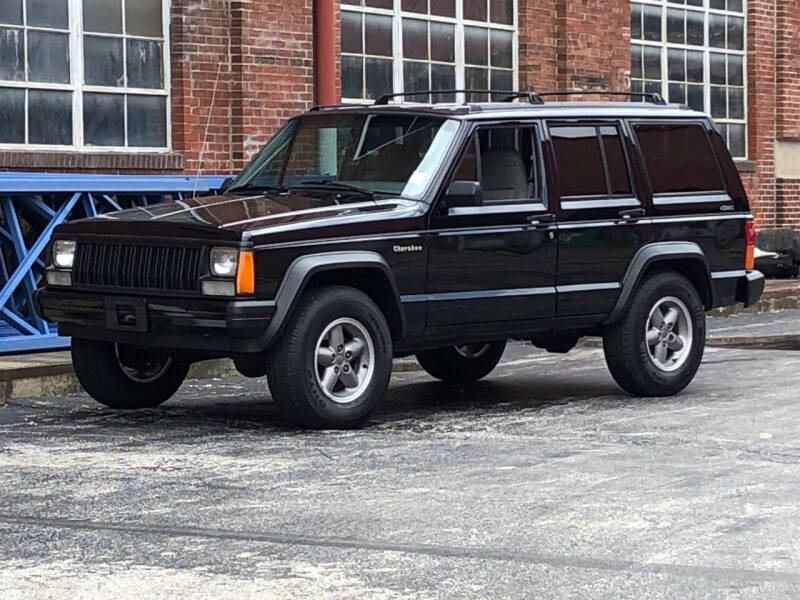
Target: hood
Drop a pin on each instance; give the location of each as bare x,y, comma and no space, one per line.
245,217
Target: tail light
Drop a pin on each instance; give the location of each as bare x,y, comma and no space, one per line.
245,273
750,252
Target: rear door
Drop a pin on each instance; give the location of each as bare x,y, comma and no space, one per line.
601,215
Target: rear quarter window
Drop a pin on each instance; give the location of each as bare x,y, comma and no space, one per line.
679,158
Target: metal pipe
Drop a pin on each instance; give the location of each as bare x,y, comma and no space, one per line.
325,52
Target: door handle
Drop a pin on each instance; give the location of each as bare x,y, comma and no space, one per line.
540,219
632,214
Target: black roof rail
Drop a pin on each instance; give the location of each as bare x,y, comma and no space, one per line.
651,97
508,95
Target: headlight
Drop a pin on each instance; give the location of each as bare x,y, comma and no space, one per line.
64,254
224,261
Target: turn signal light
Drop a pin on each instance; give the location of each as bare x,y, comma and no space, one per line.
246,273
750,252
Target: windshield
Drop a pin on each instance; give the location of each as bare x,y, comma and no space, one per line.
395,155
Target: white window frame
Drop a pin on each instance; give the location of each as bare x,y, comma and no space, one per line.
398,14
664,46
77,86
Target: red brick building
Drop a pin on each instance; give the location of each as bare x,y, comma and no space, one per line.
158,85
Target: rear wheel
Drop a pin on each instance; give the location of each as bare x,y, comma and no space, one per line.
657,346
331,366
463,363
127,377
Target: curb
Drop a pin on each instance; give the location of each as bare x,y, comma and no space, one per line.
59,379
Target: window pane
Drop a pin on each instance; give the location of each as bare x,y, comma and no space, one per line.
50,117
736,141
501,80
695,31
615,158
676,65
12,54
676,26
506,165
736,103
636,22
102,61
735,70
636,61
652,23
47,13
652,62
735,5
12,116
694,67
379,3
718,69
579,162
11,12
379,77
147,121
735,33
145,64
415,79
143,17
475,10
716,31
378,35
717,4
502,11
719,102
104,119
476,45
352,77
443,77
102,16
443,8
415,39
48,57
417,6
351,32
501,44
679,158
677,93
443,42
696,98
476,79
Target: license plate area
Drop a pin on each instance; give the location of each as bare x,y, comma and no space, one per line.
127,314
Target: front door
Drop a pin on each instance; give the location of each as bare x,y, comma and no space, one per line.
492,252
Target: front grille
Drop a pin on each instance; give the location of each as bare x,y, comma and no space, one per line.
137,267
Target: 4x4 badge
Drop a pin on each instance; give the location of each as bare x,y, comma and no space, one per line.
406,249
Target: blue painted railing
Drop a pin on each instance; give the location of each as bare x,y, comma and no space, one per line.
32,205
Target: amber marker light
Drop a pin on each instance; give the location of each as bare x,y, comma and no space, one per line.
246,273
750,252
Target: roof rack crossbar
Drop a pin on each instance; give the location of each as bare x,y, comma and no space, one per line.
508,95
652,97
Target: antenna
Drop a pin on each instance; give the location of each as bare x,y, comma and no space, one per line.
205,135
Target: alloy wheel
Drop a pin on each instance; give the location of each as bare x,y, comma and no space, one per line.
669,334
344,357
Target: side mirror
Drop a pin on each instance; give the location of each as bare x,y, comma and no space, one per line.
226,185
464,193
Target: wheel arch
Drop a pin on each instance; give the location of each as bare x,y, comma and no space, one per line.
686,258
364,270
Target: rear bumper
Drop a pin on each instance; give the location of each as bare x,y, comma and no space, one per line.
733,287
206,326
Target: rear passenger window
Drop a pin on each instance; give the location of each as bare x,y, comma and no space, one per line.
679,158
590,161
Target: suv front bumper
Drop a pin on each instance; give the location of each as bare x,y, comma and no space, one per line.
210,326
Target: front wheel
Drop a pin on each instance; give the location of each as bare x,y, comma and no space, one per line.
462,364
127,377
331,367
657,346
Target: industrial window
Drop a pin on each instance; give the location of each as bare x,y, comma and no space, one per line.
415,45
693,52
679,159
84,74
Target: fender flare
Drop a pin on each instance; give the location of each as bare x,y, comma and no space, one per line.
654,253
305,267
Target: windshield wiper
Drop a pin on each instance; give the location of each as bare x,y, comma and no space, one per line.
336,186
256,187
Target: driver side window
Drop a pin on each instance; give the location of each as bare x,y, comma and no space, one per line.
503,162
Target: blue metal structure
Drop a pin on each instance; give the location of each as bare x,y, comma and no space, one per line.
32,205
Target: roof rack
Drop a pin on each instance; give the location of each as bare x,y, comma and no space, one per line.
651,97
508,95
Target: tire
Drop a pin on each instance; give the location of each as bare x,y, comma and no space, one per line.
462,364
336,394
648,370
126,377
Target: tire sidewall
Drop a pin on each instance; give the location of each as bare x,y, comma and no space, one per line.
346,305
654,290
